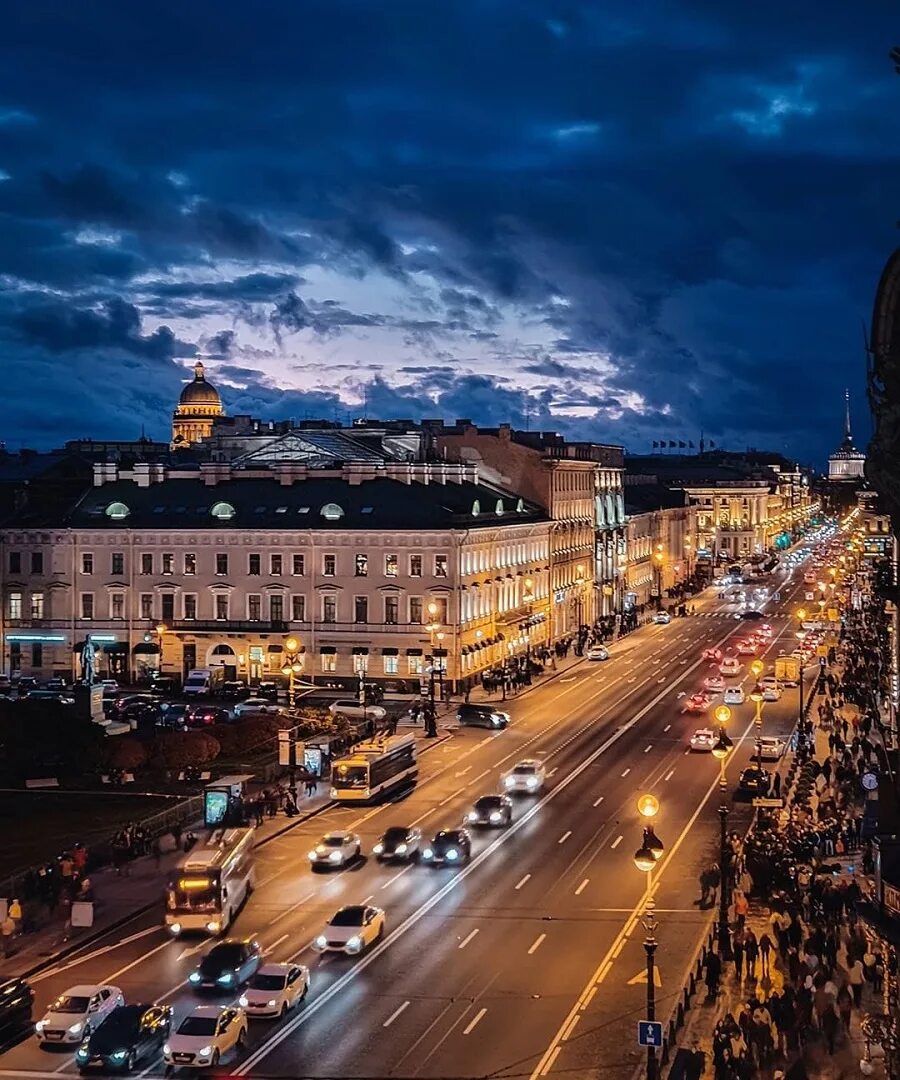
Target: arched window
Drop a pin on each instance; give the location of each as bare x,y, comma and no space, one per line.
118,511
476,508
498,509
332,512
223,511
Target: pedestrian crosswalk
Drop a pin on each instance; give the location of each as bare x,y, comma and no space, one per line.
772,613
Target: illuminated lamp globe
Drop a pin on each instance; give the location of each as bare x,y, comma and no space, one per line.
757,667
653,843
801,614
286,669
292,644
644,859
648,806
722,747
297,667
723,714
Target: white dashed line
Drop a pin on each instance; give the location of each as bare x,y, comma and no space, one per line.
598,801
522,882
668,775
552,771
624,774
565,836
582,887
536,944
275,944
390,881
471,1027
648,748
618,840
465,941
395,1014
666,728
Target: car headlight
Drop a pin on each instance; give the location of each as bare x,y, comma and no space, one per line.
335,856
175,928
452,853
313,855
243,1002
531,781
167,1049
213,927
321,941
119,1055
495,720
496,816
378,849
354,943
204,1051
473,815
400,849
271,1003
225,979
75,1029
194,977
508,781
427,853
39,1026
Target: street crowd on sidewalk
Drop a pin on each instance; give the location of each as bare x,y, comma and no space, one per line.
802,968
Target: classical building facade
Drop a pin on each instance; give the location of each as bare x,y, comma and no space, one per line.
847,464
662,542
172,567
197,410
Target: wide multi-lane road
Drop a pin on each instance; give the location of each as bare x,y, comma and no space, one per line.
525,962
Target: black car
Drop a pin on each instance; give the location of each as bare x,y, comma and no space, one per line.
399,842
234,690
267,689
172,714
751,615
16,1000
227,965
130,1034
493,811
755,781
482,716
449,847
199,716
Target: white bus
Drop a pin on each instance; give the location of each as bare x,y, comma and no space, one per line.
210,883
375,769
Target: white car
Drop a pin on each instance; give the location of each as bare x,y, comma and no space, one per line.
597,652
771,693
730,666
703,739
734,695
351,930
769,681
255,705
352,708
274,989
77,1013
527,776
336,849
714,682
205,1036
772,748
662,617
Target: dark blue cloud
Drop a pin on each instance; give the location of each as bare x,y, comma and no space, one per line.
665,213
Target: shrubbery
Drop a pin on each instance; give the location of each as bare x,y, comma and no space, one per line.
127,753
179,749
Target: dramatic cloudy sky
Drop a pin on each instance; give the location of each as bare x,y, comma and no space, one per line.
622,219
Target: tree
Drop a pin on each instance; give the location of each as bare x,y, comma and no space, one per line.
127,754
179,749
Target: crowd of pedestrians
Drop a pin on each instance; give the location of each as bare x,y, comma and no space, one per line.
797,975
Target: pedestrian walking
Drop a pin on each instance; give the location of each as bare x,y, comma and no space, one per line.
713,973
7,932
751,951
856,978
829,1024
765,950
741,909
737,950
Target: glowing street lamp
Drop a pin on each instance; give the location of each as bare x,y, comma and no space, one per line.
721,750
645,859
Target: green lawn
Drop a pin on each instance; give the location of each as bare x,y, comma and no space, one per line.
40,824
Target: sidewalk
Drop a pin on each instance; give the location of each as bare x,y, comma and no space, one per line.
120,898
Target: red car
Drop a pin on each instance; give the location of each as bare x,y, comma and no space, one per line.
712,654
696,703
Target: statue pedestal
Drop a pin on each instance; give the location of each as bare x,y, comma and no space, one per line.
89,703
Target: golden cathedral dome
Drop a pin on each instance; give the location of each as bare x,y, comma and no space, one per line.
200,392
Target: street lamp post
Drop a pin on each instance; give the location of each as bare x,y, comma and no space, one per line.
721,750
658,567
160,633
645,859
434,630
756,696
292,667
579,606
801,635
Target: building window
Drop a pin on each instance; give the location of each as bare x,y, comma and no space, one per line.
146,562
37,656
276,608
361,609
391,665
440,566
415,665
37,562
329,609
168,563
360,663
117,564
439,603
361,565
117,605
87,562
190,563
253,565
329,661
391,609
146,605
167,602
190,606
298,608
15,562
37,605
415,566
15,656
221,608
297,566
415,609
329,565
390,565
275,565
254,607
221,565
87,605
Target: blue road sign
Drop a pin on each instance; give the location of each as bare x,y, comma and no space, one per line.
649,1033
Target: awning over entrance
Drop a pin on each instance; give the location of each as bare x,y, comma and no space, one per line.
146,648
116,647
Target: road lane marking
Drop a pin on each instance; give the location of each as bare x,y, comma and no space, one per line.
668,775
666,728
571,1026
553,770
285,1031
551,1061
93,955
627,771
293,907
390,881
480,776
565,836
618,840
395,1014
465,941
522,882
471,1025
462,772
536,944
582,887
450,798
368,898
275,944
134,963
598,801
648,748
